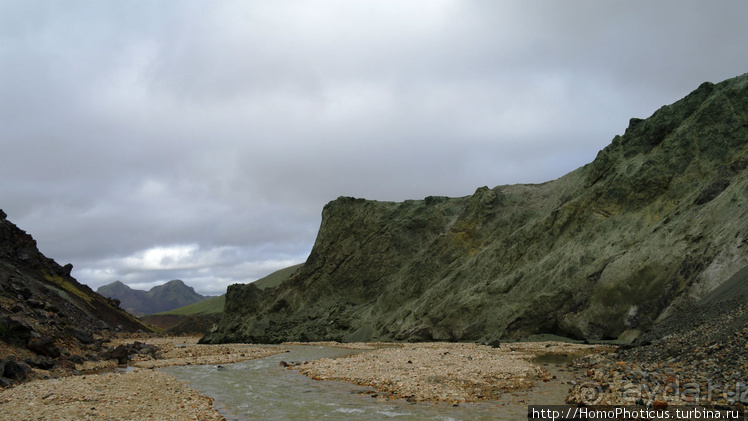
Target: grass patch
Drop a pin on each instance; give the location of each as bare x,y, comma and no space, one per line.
215,305
210,306
67,286
275,278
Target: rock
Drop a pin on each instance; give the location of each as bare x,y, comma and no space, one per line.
120,353
15,328
67,270
14,370
41,362
43,345
76,359
82,336
34,303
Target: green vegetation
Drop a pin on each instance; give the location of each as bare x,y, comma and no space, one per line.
212,305
275,278
67,286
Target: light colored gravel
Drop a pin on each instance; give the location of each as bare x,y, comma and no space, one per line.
453,372
346,345
135,395
186,351
141,394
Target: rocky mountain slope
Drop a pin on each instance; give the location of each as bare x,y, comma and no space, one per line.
46,316
171,295
655,222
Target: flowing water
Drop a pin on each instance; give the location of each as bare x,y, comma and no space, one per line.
262,389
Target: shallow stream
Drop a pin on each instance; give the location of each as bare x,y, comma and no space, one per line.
262,389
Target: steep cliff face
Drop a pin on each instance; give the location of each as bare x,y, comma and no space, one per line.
656,221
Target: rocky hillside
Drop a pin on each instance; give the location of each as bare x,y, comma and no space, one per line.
658,220
171,295
46,316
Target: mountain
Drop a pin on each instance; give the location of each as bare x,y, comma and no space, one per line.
201,316
129,299
171,295
655,222
46,315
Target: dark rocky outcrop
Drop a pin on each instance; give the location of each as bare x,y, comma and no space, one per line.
45,312
169,296
658,220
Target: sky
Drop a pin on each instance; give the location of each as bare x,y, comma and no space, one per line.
144,141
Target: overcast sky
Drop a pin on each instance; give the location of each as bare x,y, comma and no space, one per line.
145,141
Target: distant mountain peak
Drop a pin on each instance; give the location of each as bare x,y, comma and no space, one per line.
164,297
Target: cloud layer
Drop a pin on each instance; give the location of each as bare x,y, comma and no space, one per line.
149,141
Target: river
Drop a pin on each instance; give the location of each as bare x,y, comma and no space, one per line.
262,389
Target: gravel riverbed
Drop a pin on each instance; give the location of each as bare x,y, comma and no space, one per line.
700,363
449,372
139,393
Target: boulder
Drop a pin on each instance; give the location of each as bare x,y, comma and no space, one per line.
13,370
41,362
121,353
43,345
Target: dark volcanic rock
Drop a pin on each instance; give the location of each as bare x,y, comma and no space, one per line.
44,345
83,336
41,362
121,353
15,328
657,220
702,346
13,370
45,310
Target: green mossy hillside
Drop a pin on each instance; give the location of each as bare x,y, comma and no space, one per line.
655,222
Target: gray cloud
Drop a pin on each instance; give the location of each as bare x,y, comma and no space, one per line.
147,141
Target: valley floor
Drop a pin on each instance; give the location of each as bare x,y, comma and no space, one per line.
449,372
452,373
138,393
